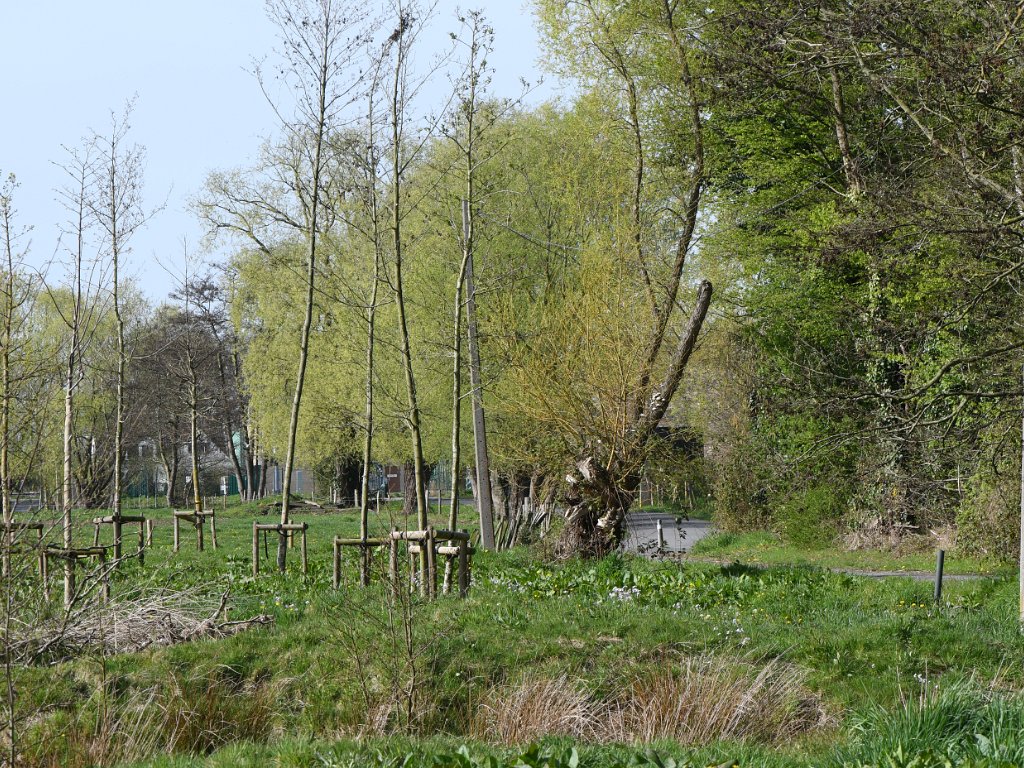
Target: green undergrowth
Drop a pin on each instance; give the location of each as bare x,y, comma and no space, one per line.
336,664
446,753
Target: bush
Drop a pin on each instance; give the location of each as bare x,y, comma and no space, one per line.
811,517
989,521
740,500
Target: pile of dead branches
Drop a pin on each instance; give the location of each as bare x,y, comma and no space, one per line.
129,624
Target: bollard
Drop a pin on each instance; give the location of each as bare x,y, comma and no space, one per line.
940,560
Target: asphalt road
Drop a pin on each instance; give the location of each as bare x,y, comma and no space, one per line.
679,534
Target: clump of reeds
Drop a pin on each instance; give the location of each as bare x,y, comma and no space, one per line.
705,699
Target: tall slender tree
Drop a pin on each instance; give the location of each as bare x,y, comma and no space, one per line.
318,41
116,205
79,320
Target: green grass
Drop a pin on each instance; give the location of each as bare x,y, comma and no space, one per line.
294,692
439,752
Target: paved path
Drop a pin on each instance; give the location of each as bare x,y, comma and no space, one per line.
679,533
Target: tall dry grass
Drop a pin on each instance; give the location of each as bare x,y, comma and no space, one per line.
712,698
705,699
517,714
182,715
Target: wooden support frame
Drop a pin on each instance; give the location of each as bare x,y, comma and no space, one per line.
10,528
282,529
456,546
139,520
364,561
198,521
76,555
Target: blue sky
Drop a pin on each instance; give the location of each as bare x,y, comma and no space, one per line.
66,64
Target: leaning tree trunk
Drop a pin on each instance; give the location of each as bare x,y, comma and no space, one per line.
601,488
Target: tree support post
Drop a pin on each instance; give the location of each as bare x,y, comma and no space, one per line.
283,530
255,550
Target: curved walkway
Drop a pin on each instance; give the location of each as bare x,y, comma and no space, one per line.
680,534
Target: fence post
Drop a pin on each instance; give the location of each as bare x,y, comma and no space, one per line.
464,566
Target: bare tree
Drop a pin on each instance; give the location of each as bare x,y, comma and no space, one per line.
373,231
403,151
117,208
26,376
472,117
318,39
79,319
12,305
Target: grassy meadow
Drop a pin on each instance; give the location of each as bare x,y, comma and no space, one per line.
623,661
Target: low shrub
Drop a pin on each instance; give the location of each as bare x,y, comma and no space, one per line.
811,517
989,521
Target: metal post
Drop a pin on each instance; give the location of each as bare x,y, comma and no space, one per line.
940,560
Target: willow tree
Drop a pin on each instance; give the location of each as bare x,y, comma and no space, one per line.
612,355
